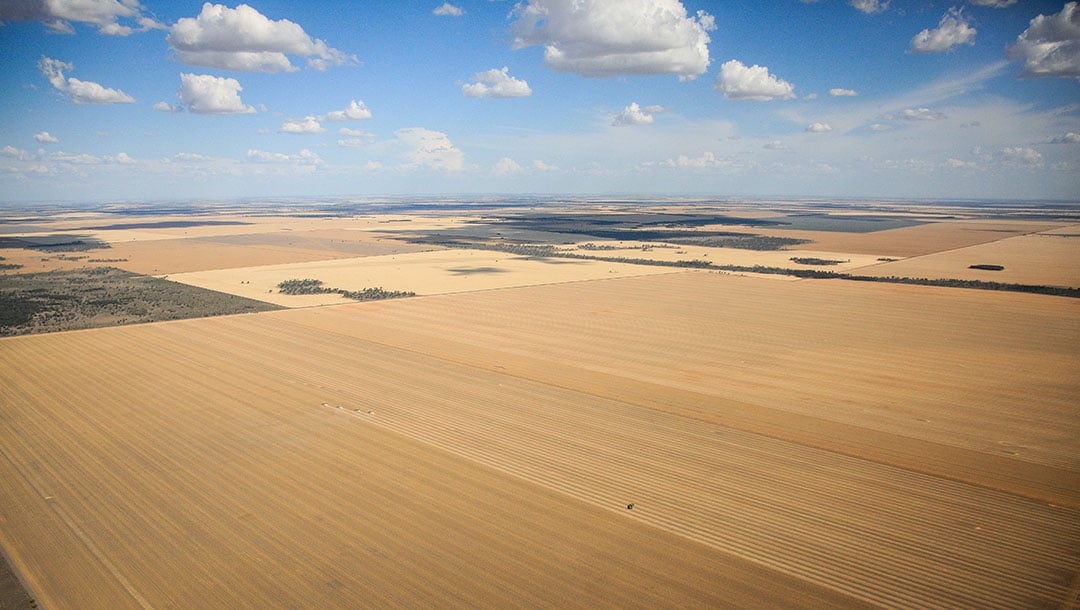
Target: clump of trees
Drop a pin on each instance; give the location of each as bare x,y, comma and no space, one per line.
809,260
987,267
313,286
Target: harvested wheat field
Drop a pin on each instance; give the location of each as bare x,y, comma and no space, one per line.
432,272
915,240
796,444
1051,259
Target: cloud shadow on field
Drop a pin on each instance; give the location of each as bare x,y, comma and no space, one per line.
472,270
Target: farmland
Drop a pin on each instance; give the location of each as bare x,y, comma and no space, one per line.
540,431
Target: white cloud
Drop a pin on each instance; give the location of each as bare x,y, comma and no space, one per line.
81,92
920,114
1021,156
843,92
449,10
304,157
870,6
355,137
1069,138
243,39
738,82
429,149
506,167
953,29
85,92
167,107
355,111
207,94
496,84
1051,44
818,127
18,153
635,115
993,3
880,127
958,164
45,138
605,38
307,125
57,15
541,166
775,145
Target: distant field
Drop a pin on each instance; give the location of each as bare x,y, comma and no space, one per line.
1042,258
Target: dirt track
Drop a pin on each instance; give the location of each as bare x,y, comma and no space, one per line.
487,445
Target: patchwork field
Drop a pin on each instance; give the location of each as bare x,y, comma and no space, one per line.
537,431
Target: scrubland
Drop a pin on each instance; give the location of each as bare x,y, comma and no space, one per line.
536,431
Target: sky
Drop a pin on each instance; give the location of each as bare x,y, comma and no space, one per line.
155,100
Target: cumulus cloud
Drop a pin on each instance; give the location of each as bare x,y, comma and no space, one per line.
45,138
542,166
81,92
243,39
355,111
843,92
870,6
167,107
993,3
916,114
1069,138
818,127
311,124
1021,156
1051,44
496,84
605,38
207,94
506,167
636,115
754,83
58,15
952,30
304,157
449,10
959,164
430,150
307,125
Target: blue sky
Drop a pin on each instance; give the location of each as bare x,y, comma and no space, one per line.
129,100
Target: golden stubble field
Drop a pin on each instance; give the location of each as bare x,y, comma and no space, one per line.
808,443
